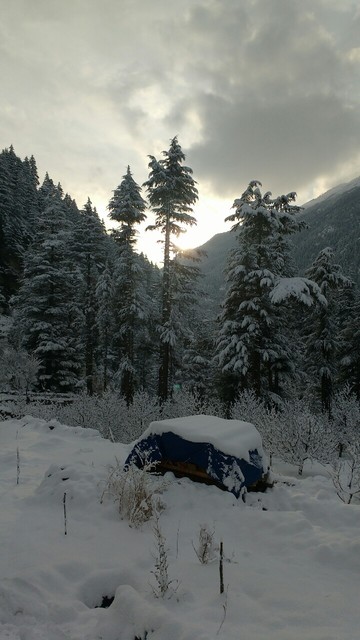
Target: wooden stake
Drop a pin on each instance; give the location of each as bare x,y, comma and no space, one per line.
221,567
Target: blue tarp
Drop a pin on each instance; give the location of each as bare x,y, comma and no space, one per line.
228,471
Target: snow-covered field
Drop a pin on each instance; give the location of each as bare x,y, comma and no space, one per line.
292,555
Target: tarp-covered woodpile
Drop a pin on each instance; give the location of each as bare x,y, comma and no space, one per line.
227,453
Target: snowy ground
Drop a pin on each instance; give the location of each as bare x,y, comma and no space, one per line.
292,569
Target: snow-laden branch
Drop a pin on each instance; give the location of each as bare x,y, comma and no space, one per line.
301,289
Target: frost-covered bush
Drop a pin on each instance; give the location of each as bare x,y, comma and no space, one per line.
345,473
164,587
293,432
114,418
45,408
302,434
249,408
344,430
206,546
18,370
144,409
187,403
136,491
344,423
108,413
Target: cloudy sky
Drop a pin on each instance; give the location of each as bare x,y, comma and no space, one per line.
265,89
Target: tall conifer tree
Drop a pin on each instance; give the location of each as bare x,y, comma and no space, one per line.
252,351
89,247
350,343
172,193
47,313
128,208
323,328
105,322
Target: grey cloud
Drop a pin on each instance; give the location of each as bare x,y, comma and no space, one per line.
288,145
282,109
253,89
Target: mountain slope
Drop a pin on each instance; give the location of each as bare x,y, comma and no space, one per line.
212,267
333,221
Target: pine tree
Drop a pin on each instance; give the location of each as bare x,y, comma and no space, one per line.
47,315
198,370
252,351
180,330
146,353
350,343
128,208
29,193
322,328
89,254
5,217
172,193
105,322
18,212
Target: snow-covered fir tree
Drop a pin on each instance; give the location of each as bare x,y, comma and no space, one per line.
189,330
322,327
47,315
18,212
180,329
128,208
105,323
252,351
89,252
198,370
172,193
350,342
147,336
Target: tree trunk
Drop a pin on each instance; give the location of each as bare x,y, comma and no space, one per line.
165,349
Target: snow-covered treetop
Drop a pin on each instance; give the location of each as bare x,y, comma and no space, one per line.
279,212
171,190
326,273
127,206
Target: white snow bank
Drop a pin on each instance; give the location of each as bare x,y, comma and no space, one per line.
291,569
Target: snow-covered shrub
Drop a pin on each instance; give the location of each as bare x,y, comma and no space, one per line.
345,473
249,408
144,409
344,423
164,585
206,547
270,426
18,370
12,406
302,434
344,429
136,492
114,418
104,413
80,412
107,413
187,403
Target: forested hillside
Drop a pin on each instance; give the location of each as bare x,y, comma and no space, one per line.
333,221
84,312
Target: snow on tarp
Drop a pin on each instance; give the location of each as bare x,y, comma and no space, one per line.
229,451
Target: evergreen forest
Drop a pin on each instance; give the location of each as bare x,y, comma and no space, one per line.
84,314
